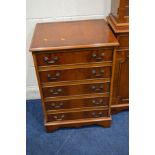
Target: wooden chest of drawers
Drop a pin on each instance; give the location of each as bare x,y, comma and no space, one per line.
74,68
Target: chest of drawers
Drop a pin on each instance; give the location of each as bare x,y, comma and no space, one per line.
74,68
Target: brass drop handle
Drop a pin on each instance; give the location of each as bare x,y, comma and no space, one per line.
52,61
100,58
97,114
59,118
97,89
57,106
56,91
55,77
101,73
100,101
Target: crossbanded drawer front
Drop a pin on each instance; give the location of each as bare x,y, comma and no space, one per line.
75,74
74,57
77,103
77,115
76,89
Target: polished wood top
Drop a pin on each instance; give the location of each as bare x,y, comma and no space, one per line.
71,35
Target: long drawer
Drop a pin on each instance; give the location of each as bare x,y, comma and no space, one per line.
77,103
76,89
74,57
75,74
77,115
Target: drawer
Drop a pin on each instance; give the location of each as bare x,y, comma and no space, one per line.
124,41
73,57
77,115
77,103
76,89
75,74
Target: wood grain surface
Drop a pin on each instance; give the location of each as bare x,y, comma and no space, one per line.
70,35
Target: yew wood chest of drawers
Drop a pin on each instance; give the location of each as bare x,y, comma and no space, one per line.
74,68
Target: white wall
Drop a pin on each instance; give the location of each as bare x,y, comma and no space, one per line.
57,10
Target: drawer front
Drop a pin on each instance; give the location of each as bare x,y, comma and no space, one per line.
76,89
75,74
77,103
77,115
74,57
124,41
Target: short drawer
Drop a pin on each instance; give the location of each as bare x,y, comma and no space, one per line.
77,103
76,89
73,57
75,74
124,41
77,115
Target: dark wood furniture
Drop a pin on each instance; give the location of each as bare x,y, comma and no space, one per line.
75,63
119,23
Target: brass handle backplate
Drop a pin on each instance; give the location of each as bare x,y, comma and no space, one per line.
52,61
97,114
97,88
96,73
59,118
56,91
57,105
53,77
97,102
98,57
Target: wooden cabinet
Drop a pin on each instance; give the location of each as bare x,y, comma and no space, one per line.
121,79
75,64
120,10
118,20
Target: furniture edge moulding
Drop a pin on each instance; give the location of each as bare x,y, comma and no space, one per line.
117,27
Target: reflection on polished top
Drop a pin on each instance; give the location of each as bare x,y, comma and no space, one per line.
73,34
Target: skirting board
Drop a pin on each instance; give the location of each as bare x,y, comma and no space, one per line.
32,92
